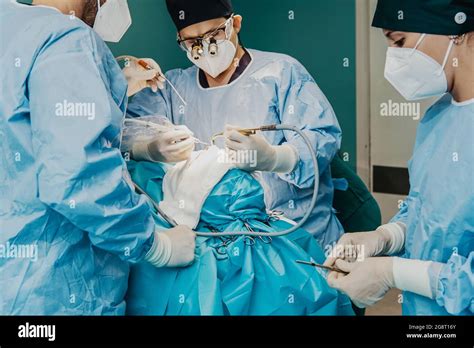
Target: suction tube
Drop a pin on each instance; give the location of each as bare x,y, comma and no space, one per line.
270,128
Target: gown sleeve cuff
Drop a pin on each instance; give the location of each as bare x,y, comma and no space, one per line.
395,233
160,252
286,159
413,276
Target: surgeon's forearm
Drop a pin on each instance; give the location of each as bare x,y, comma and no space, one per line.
325,145
115,218
402,214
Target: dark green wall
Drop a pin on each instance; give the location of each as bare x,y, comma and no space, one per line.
321,36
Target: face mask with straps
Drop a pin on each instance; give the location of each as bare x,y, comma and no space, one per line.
213,52
414,74
113,20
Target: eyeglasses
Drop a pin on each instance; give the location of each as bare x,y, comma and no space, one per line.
214,37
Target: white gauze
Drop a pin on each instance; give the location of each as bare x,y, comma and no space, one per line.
187,185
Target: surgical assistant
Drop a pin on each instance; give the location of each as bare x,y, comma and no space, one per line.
64,188
265,88
430,55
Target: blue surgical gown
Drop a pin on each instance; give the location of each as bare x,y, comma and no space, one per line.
234,275
439,210
273,89
63,192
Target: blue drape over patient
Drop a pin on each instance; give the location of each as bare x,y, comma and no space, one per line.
239,275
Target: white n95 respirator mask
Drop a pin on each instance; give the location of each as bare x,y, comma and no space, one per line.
214,65
414,74
113,20
215,57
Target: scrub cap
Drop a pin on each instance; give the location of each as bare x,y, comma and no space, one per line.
188,12
440,17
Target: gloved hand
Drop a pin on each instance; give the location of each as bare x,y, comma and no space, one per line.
173,248
183,244
174,145
367,282
139,78
385,240
278,159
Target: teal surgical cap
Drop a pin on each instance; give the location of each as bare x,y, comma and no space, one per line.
441,17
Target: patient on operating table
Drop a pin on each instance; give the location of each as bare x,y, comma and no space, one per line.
238,275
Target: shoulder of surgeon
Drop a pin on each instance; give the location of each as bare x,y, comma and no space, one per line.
44,28
264,65
179,74
276,64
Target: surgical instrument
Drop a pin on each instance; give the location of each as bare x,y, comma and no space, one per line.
160,128
327,268
145,65
245,131
156,206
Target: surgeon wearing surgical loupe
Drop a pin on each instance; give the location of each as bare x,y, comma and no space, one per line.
229,84
64,187
431,54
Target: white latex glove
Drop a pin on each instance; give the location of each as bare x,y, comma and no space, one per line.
173,248
172,146
139,78
269,158
366,282
385,240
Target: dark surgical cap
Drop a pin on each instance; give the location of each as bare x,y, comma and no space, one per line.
188,12
441,17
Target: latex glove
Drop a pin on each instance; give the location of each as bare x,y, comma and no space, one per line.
385,240
172,146
367,282
278,159
139,78
173,248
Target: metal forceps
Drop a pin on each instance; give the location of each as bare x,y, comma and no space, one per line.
327,268
246,131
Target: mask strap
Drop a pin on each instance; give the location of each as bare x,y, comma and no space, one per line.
98,6
445,61
418,42
229,26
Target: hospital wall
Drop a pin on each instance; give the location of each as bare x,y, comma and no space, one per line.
391,138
